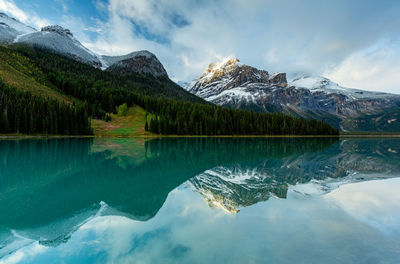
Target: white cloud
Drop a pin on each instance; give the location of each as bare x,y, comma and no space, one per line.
286,36
325,37
10,8
31,19
374,202
376,68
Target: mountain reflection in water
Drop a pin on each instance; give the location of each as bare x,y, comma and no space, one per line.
48,188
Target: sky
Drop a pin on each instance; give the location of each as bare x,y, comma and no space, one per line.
354,43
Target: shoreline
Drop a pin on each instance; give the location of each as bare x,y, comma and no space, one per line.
17,136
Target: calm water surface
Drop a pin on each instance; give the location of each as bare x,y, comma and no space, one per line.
200,201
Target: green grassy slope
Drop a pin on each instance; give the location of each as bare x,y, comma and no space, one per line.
21,73
128,125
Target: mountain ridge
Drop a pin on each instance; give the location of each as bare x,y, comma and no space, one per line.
60,40
239,86
10,28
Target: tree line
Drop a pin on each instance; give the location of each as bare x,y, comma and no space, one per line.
22,112
180,118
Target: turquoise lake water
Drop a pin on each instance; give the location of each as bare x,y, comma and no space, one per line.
200,200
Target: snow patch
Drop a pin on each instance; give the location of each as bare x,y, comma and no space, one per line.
322,84
11,28
18,26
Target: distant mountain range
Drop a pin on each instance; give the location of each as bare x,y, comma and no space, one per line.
232,84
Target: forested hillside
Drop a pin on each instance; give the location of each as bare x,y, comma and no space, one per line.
195,119
22,112
171,110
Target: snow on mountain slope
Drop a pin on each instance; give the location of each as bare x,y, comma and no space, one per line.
235,85
54,38
232,80
10,29
61,41
322,84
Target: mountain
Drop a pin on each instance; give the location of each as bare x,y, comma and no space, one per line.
240,86
142,62
135,65
322,84
10,28
60,40
96,86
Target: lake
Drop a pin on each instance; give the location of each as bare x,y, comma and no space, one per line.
200,200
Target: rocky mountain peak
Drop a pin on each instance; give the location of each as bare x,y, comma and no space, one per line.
142,62
278,79
218,69
59,30
230,74
61,41
222,66
235,85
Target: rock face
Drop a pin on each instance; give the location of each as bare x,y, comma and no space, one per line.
234,85
142,62
10,29
278,79
220,77
59,30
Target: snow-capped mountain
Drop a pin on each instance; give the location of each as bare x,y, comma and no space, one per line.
10,28
231,80
321,84
60,40
236,85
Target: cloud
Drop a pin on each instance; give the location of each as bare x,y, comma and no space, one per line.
372,202
10,8
316,37
375,68
32,19
288,36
